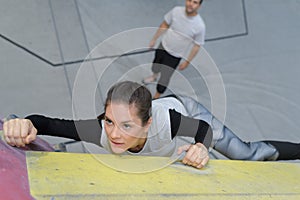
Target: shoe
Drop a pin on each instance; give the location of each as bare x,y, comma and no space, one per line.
150,79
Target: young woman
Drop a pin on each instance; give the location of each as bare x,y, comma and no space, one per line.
134,124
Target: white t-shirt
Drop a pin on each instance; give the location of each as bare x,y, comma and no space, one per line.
183,31
159,141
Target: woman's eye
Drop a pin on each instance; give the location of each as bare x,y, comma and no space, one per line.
127,126
107,121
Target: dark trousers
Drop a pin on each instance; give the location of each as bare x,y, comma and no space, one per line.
165,64
286,150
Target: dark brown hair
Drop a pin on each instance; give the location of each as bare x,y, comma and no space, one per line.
131,93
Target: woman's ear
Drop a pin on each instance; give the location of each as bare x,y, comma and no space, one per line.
149,122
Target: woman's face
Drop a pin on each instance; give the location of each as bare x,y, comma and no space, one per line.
124,128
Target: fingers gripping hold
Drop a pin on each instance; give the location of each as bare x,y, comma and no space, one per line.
196,156
19,132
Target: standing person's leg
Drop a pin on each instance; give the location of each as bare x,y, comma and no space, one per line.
156,65
169,64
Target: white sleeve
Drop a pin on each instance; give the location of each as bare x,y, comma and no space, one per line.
168,17
200,37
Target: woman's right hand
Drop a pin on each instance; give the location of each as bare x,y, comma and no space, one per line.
19,132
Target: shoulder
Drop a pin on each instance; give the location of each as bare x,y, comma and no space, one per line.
160,114
178,10
160,111
167,103
200,20
199,24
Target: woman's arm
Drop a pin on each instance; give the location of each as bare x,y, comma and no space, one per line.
190,127
196,154
54,127
18,132
85,130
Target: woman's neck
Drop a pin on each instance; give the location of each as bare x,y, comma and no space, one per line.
139,147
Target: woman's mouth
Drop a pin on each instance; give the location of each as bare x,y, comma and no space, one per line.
116,143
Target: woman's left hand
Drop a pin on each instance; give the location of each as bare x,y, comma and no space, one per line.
196,155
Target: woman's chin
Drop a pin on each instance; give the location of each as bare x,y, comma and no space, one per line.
117,150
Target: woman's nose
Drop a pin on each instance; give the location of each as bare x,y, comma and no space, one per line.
115,133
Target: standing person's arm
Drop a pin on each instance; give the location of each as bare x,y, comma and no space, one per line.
162,28
192,54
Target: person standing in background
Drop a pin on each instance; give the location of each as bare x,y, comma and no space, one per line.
182,26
